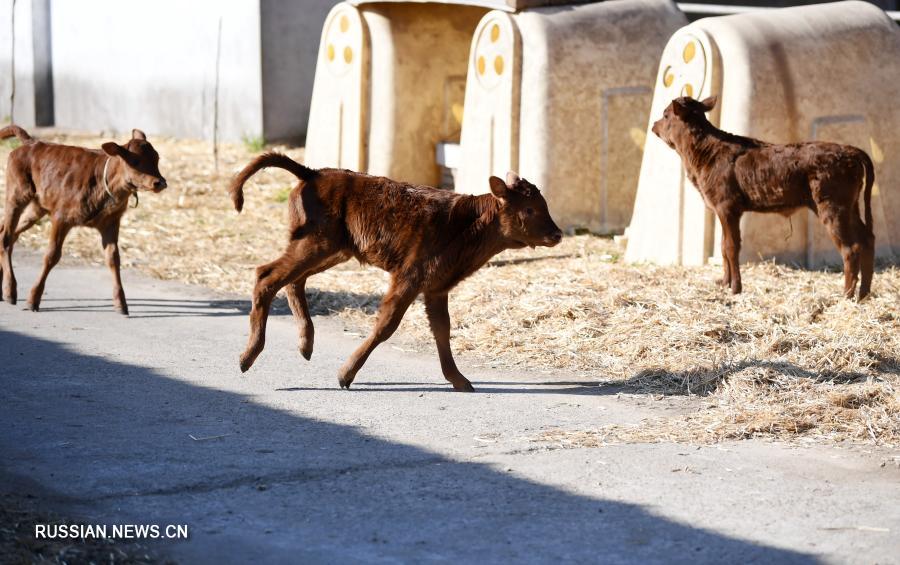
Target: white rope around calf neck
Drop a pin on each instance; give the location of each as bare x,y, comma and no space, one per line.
106,184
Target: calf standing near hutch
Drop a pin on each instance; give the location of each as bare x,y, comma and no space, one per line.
427,239
737,174
76,187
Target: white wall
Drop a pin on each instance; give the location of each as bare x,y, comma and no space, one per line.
119,64
290,45
32,102
116,64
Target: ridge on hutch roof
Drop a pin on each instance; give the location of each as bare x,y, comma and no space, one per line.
506,5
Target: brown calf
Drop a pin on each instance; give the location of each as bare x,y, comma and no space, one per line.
427,239
76,187
737,174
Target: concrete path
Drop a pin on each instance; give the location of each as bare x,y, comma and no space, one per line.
99,415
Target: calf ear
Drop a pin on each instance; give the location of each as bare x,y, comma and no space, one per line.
114,149
709,103
138,134
498,187
680,108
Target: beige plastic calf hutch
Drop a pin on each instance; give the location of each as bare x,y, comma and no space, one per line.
562,95
389,86
826,72
575,80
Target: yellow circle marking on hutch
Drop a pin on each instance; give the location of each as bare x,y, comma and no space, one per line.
668,77
690,50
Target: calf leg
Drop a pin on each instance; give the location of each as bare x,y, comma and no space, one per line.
10,221
726,266
29,217
731,250
19,193
867,264
726,269
866,240
300,257
296,295
840,226
109,237
58,232
439,319
398,298
851,257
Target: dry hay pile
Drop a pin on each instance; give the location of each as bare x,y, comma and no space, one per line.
787,358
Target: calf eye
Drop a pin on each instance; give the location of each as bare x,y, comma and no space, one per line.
529,211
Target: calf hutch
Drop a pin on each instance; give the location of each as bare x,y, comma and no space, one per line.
559,93
828,72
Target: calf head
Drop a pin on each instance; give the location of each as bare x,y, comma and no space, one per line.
681,119
141,170
523,213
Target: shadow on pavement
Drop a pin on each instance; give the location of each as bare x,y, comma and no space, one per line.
111,442
588,388
321,303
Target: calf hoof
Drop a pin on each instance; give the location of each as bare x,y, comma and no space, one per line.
306,348
463,387
346,374
250,354
346,380
10,299
122,310
34,307
246,361
723,282
850,293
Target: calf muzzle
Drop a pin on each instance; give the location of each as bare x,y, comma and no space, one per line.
552,239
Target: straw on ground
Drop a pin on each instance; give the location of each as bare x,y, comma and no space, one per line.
788,358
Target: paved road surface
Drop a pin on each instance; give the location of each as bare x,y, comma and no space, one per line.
98,414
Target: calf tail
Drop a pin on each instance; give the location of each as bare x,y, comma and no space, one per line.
13,130
265,160
867,192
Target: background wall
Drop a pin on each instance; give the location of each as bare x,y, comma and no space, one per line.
30,42
290,45
118,64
